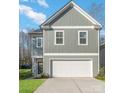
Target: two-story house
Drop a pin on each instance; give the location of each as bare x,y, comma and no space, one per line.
67,44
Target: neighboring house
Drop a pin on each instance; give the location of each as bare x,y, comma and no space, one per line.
36,47
102,55
70,46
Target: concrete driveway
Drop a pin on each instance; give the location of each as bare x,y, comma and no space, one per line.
72,85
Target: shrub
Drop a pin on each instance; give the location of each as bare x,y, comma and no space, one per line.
43,75
25,73
101,74
25,66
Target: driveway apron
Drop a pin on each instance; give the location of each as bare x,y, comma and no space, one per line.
72,85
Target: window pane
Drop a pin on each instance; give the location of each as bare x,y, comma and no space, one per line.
39,42
82,40
59,41
59,34
82,34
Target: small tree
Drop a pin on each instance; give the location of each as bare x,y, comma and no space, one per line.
24,48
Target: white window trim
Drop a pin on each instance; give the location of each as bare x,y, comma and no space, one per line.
71,54
37,42
86,37
55,37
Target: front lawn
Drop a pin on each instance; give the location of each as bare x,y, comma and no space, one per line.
25,73
30,85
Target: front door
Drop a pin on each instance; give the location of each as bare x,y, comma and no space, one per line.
39,65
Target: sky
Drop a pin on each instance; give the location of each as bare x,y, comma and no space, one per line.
32,13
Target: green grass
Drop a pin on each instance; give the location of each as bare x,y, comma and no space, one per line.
24,73
29,86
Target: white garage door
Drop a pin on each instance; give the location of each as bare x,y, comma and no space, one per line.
72,69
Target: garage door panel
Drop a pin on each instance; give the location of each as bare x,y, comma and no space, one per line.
72,69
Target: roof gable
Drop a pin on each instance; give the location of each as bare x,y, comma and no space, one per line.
70,17
77,8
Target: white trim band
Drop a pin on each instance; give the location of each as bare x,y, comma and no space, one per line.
71,54
37,56
69,27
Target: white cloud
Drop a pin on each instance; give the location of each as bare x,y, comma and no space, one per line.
25,30
43,3
35,16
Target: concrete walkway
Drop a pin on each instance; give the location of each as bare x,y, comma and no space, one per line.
72,85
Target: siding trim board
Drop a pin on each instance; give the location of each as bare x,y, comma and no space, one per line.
69,27
37,56
98,52
43,51
71,54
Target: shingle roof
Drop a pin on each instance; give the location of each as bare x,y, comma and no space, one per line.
36,31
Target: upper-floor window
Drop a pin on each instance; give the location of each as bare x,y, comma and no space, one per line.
59,37
39,42
83,37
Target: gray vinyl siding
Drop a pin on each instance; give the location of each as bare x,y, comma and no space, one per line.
70,42
47,66
71,18
34,50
